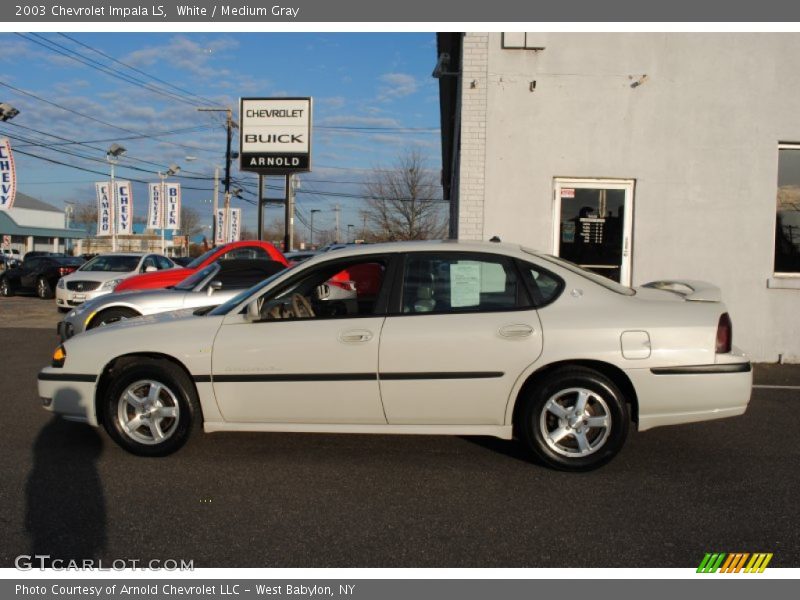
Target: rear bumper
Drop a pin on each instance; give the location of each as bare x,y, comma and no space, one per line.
70,395
688,394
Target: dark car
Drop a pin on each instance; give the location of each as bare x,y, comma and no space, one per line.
35,253
182,261
37,275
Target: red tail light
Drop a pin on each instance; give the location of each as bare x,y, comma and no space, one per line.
724,334
65,270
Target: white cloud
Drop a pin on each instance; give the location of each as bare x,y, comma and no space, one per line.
396,85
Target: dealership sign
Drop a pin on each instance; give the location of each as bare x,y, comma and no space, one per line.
124,207
172,210
8,176
154,210
228,229
105,210
164,206
275,135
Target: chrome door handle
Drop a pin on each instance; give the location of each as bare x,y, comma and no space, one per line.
518,330
355,336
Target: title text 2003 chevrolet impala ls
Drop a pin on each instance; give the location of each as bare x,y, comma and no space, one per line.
461,338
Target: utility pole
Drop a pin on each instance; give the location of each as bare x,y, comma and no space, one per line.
215,204
336,210
229,125
311,229
288,236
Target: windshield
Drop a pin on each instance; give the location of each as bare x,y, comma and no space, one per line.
224,309
112,263
201,259
192,280
68,260
607,283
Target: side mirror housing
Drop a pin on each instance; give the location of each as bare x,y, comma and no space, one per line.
214,286
253,313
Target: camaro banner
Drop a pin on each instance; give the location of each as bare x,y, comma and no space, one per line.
154,206
172,212
8,175
124,207
105,211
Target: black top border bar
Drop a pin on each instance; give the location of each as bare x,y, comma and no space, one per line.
415,11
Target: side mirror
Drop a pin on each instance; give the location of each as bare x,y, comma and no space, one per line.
253,313
214,286
150,269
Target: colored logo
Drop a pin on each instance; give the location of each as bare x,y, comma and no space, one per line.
720,562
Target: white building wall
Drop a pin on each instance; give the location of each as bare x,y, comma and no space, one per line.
699,136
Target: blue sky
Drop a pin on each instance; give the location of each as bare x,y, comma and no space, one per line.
374,90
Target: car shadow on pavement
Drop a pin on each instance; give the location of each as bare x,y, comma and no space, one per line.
511,448
65,513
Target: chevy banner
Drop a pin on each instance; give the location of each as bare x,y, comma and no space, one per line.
105,210
8,175
124,207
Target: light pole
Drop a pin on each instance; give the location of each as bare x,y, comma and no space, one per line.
173,169
112,156
214,202
350,233
311,228
7,112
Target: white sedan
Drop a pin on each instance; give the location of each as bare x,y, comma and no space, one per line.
462,338
103,273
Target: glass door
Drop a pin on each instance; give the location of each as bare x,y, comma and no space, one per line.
592,226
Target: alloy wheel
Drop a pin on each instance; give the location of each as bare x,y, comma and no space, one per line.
148,412
575,422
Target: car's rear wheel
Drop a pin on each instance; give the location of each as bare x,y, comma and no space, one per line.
574,420
151,408
6,289
43,289
112,315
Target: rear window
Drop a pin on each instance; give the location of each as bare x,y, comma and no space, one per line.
607,283
114,264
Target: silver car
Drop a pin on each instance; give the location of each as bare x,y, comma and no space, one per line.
206,288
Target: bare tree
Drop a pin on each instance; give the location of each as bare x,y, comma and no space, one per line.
84,215
191,223
404,202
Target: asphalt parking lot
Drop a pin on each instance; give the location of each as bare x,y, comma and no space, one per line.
298,500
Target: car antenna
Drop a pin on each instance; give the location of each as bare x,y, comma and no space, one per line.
495,239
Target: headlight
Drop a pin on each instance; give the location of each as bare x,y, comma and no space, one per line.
110,285
61,283
59,356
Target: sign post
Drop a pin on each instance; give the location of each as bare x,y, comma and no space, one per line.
275,139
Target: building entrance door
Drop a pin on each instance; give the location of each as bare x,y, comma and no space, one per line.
593,223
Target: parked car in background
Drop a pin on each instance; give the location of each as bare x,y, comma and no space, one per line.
105,272
182,261
37,275
7,262
242,249
34,253
12,256
207,287
459,338
298,256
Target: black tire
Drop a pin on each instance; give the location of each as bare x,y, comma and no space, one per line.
43,289
577,442
112,315
177,390
6,289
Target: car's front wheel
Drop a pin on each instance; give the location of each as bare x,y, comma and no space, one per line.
151,407
574,420
112,315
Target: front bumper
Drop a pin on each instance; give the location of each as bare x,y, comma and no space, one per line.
69,299
70,395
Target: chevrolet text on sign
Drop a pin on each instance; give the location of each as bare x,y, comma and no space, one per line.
275,135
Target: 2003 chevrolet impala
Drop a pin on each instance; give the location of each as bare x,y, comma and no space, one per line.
463,338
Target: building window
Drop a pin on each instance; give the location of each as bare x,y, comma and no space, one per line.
787,221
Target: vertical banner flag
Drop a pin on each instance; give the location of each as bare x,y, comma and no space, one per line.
8,175
173,206
221,236
104,208
154,207
235,228
124,207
